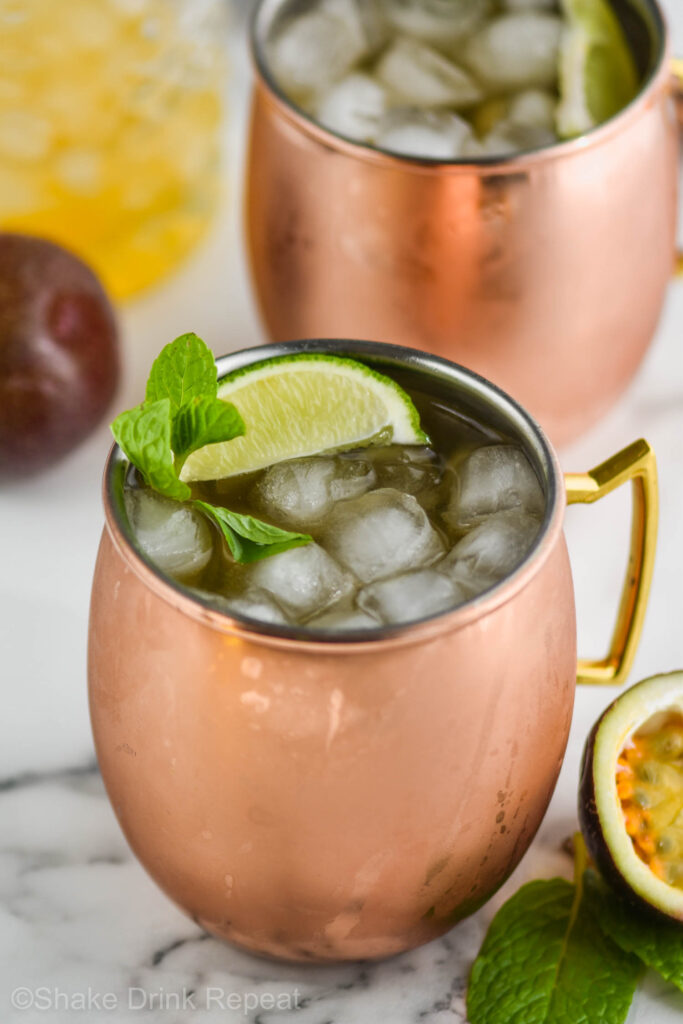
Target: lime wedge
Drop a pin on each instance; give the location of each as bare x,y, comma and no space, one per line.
598,75
303,405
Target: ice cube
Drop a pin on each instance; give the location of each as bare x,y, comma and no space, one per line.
516,51
496,478
413,471
425,78
509,138
343,617
88,26
302,581
253,604
296,491
24,136
412,596
533,108
316,48
424,134
353,476
473,149
528,122
437,21
22,188
381,534
491,551
365,19
176,538
80,170
257,604
302,491
353,107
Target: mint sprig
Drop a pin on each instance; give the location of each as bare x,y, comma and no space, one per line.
545,960
181,414
559,952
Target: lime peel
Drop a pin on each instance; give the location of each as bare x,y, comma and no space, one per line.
302,405
598,75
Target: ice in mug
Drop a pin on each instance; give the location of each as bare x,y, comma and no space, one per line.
400,533
438,79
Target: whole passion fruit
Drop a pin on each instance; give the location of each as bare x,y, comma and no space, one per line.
59,359
631,795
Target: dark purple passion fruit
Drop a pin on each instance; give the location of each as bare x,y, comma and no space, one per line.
59,361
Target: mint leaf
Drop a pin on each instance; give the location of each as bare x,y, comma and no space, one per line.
204,421
183,370
144,435
657,943
181,414
545,960
250,539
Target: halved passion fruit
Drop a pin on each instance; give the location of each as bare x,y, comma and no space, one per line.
631,796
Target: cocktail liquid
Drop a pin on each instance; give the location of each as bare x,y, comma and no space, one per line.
399,533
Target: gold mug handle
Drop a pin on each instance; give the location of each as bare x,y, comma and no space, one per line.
636,463
677,80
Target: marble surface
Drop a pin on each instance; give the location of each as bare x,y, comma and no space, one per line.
84,933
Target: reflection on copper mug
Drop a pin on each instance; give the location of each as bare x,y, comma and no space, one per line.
544,272
335,799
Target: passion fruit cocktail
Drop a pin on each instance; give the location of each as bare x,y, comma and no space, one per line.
352,787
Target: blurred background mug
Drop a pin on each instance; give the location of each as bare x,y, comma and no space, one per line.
545,272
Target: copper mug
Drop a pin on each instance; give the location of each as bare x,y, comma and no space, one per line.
336,799
545,272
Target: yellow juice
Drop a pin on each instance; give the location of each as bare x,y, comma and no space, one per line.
109,128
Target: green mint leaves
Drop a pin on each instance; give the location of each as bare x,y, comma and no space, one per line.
183,370
182,413
144,435
559,953
204,421
249,539
657,943
545,960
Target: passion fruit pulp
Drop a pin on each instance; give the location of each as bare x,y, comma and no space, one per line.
631,794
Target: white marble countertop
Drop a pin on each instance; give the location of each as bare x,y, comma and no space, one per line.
78,915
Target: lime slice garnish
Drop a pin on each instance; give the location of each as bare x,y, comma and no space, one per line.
301,405
598,75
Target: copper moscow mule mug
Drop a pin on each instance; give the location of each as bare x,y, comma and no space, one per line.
336,798
545,272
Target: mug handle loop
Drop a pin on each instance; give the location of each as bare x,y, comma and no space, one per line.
636,463
677,86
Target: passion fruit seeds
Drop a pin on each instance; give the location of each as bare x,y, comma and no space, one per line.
631,795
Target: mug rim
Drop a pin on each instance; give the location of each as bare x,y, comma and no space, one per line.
266,10
383,356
